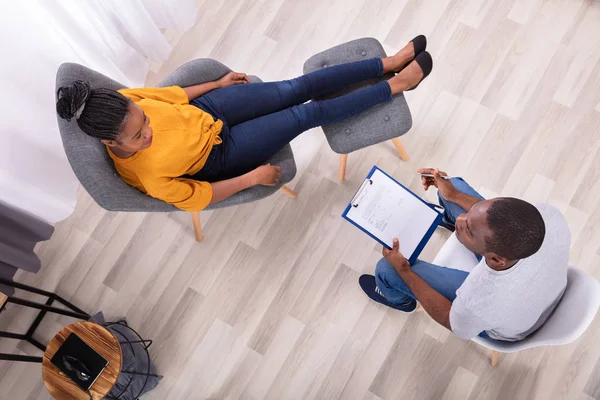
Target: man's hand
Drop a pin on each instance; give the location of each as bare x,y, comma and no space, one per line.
398,261
433,302
233,78
445,187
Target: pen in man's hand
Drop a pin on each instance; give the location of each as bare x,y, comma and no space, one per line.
432,176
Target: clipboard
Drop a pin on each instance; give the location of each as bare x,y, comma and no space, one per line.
418,222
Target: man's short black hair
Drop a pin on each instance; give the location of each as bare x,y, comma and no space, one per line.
517,227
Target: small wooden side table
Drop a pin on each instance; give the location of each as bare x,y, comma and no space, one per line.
100,339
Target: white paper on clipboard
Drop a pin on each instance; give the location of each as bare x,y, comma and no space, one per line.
387,210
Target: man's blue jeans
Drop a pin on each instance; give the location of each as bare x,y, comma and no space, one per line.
259,119
444,280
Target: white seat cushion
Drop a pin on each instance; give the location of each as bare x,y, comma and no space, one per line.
456,256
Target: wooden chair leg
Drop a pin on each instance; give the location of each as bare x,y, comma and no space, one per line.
400,149
495,356
343,160
289,192
197,226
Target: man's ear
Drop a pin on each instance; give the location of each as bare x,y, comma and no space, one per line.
109,143
495,261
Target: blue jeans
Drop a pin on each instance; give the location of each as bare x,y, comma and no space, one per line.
444,280
259,119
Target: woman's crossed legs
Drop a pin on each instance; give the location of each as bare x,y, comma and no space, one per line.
261,118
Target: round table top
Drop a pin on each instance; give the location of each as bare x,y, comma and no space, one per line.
101,340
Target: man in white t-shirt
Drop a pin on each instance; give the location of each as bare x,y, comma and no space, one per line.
521,277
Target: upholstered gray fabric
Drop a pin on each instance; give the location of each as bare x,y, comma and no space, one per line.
89,159
381,123
95,170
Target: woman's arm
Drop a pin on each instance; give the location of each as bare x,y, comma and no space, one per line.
198,90
232,78
191,195
267,175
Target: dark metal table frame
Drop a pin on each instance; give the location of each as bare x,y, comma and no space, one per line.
45,308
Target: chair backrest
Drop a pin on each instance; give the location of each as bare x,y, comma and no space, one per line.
88,157
572,316
574,313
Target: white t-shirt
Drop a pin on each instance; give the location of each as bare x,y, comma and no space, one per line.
511,304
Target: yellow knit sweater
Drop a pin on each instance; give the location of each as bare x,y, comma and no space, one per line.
183,136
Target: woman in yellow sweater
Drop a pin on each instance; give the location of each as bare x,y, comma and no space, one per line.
201,144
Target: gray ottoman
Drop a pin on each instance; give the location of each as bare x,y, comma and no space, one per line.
381,123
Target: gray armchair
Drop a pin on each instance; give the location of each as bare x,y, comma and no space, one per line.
97,174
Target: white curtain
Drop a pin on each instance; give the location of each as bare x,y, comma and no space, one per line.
118,38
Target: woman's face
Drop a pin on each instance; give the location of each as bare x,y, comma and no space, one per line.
136,134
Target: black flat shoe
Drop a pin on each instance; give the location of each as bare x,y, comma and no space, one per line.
426,63
420,44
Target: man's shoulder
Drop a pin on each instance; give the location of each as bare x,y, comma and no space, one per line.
551,215
549,211
557,229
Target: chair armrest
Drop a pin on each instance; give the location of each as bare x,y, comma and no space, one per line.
195,72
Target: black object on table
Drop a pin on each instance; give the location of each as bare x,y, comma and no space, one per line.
79,361
45,308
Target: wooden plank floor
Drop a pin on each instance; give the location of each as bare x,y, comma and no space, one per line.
268,306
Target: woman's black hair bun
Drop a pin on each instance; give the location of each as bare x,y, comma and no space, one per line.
69,99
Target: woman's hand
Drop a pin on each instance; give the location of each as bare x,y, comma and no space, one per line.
233,78
266,175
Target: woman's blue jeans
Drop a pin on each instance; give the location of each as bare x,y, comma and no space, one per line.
259,119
